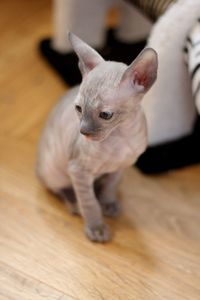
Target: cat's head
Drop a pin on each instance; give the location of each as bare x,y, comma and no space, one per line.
110,92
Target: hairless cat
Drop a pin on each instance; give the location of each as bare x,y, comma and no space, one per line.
94,132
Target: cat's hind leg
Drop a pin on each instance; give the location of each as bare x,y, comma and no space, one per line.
69,197
106,192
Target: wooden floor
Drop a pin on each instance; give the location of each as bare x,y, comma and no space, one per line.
155,252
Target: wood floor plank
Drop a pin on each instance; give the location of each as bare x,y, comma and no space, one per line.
25,78
16,285
51,247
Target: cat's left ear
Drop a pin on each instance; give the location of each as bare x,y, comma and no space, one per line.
141,74
88,57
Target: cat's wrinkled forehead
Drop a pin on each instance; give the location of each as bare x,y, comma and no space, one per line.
101,80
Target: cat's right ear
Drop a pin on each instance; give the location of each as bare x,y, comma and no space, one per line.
141,74
88,57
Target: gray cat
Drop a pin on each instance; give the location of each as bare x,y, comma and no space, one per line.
95,132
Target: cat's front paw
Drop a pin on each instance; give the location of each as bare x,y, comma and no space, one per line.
111,209
100,233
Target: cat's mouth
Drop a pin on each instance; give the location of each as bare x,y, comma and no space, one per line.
94,137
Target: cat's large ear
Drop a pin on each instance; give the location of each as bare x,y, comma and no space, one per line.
88,57
141,74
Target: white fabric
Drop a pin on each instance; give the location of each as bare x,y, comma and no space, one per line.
133,25
168,106
85,18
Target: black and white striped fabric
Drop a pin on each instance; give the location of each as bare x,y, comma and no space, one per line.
153,9
192,56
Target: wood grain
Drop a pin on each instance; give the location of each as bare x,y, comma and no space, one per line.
155,252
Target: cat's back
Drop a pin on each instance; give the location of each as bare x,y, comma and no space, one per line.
58,137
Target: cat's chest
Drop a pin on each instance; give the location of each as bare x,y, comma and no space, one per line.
123,151
116,154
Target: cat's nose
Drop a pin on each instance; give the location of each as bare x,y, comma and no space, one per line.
85,132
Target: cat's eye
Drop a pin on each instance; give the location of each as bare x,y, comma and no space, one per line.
78,108
105,115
